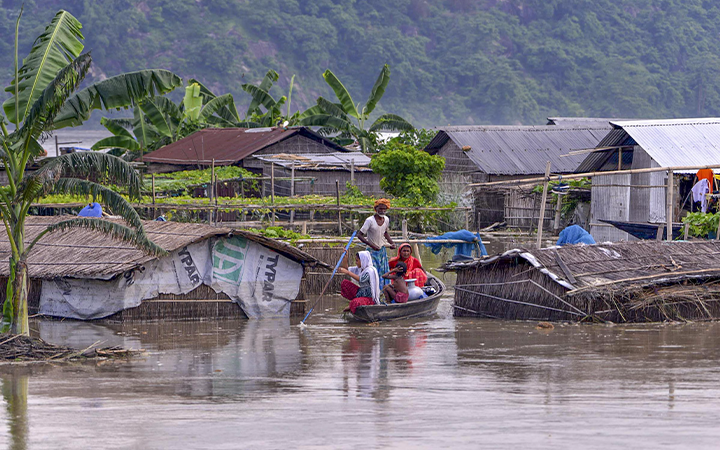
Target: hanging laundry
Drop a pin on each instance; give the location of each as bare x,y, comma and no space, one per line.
699,191
707,174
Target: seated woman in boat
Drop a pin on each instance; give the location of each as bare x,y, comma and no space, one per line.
368,293
414,268
396,291
374,233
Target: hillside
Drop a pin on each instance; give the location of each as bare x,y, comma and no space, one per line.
452,61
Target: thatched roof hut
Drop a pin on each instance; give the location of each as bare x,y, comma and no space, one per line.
620,282
87,275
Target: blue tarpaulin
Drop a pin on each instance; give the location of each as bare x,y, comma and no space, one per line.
575,234
460,249
92,210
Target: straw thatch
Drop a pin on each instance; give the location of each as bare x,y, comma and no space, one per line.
80,253
624,282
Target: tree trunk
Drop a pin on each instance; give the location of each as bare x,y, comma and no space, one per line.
20,296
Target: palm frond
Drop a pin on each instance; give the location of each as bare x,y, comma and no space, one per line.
118,127
215,105
107,167
42,114
116,202
270,78
325,120
156,117
391,122
341,93
378,90
113,230
59,44
260,97
332,108
119,91
124,142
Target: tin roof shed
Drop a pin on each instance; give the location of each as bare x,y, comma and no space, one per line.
670,143
521,150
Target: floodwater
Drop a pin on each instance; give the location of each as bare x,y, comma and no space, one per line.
437,382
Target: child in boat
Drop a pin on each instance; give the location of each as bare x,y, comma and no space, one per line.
368,292
397,289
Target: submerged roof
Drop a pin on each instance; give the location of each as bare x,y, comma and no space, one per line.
521,150
671,143
80,253
228,145
319,161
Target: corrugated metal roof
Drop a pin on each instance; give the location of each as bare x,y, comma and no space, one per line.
595,122
228,145
319,161
671,143
521,150
594,161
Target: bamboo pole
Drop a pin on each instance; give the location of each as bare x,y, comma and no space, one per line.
541,219
558,209
212,190
292,190
404,229
242,187
152,181
577,176
352,171
272,192
337,192
669,205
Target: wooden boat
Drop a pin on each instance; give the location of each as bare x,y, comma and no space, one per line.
644,230
397,311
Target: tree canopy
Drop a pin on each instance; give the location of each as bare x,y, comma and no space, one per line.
453,61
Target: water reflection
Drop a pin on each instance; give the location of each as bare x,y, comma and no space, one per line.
15,396
427,383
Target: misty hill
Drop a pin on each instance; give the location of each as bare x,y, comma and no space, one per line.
452,61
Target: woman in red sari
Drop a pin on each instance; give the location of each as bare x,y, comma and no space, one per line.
414,268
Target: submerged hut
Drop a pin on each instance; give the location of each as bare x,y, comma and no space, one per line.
208,272
479,154
645,281
319,173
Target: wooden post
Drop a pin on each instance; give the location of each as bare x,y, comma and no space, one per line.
352,171
337,192
558,208
467,219
416,252
686,232
478,222
669,213
292,190
152,182
292,179
304,228
57,147
717,233
272,192
620,158
541,219
212,191
242,187
660,230
404,229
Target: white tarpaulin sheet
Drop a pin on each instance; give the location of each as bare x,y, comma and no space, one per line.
260,280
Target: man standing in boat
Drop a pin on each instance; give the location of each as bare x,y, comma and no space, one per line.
374,233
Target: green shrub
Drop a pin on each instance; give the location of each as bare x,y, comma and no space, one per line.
408,172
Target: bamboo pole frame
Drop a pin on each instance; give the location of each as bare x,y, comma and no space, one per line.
541,218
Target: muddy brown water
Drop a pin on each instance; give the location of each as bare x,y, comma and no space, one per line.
436,382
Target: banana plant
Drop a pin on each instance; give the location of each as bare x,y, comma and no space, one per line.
348,120
45,95
273,114
158,121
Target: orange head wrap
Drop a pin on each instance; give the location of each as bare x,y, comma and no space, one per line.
382,201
